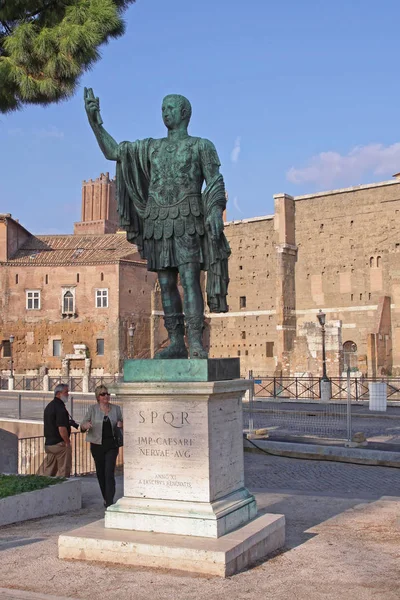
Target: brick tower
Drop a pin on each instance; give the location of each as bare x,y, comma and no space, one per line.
99,207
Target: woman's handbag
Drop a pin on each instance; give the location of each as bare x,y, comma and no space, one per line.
118,436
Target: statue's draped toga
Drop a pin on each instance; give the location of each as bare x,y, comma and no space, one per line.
168,227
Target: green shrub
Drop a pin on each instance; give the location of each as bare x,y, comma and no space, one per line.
10,485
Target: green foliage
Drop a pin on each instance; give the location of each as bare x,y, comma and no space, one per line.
10,485
46,45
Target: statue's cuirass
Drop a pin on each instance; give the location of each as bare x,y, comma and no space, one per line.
174,203
175,170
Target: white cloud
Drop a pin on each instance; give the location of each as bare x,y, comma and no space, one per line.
236,150
49,132
236,204
329,168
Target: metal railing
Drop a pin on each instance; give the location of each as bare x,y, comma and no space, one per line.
23,406
106,380
309,388
75,383
324,420
25,382
32,456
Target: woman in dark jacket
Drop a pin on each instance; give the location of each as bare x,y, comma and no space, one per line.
101,422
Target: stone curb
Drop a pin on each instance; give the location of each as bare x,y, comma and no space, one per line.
53,500
361,456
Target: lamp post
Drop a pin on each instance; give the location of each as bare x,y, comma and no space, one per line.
11,357
131,333
321,318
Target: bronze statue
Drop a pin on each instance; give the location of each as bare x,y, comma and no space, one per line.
177,228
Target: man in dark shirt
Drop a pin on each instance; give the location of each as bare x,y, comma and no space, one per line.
57,431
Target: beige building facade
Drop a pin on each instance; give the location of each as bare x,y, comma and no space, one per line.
338,251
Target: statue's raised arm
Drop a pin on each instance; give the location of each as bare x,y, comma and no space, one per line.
107,144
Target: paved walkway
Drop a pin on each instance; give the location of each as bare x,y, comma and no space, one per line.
343,542
313,476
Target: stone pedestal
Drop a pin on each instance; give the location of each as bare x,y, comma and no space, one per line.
183,480
183,458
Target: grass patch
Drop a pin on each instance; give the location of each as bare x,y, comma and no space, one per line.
10,485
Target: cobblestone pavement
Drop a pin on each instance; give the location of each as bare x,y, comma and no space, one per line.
277,474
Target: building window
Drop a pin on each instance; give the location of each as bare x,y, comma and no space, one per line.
242,302
371,262
68,303
270,349
16,279
56,347
47,279
102,298
6,348
33,300
243,335
101,276
378,261
77,278
100,347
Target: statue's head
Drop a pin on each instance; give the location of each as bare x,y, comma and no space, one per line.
175,110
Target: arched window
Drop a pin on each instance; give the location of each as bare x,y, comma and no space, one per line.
378,261
68,303
372,262
350,356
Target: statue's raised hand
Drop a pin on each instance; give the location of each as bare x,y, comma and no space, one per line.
92,106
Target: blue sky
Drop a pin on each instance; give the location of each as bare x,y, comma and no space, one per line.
297,95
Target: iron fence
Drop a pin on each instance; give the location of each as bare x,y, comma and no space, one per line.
309,388
32,456
107,380
75,383
27,383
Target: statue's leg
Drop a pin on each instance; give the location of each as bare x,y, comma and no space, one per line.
173,317
194,308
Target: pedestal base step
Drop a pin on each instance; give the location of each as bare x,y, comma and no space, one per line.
222,557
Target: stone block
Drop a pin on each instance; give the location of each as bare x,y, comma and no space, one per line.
377,396
9,452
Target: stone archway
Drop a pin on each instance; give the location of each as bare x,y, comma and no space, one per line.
350,356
